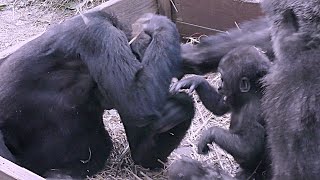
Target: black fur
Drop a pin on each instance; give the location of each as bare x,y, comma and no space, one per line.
246,138
292,101
188,169
205,57
54,89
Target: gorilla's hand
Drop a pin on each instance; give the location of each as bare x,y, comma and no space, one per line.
206,138
190,83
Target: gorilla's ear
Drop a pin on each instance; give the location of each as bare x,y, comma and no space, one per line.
244,84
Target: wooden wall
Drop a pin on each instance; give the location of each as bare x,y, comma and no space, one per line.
195,17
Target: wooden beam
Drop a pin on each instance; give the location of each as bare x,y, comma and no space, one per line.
164,7
11,171
128,11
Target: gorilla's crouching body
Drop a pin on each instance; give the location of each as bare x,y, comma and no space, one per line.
54,89
292,97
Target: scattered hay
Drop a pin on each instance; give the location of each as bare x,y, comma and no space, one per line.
78,5
19,22
120,165
74,5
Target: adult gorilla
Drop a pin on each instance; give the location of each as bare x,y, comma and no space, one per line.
54,89
292,97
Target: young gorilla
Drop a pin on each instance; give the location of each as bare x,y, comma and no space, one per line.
189,169
240,93
292,96
54,89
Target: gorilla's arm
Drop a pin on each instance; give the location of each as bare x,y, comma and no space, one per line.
240,147
138,90
245,138
140,44
152,143
209,96
205,57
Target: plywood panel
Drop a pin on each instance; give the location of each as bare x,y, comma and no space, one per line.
164,7
212,16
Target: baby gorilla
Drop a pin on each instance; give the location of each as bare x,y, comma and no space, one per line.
189,169
240,93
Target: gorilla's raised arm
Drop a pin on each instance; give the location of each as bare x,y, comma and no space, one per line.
205,57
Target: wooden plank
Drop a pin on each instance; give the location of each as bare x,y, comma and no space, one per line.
212,16
11,171
128,11
164,7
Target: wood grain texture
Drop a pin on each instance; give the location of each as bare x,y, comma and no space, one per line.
164,7
197,17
